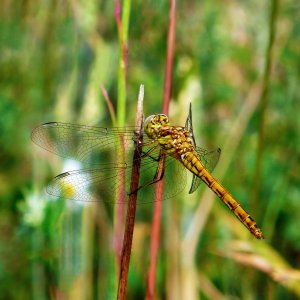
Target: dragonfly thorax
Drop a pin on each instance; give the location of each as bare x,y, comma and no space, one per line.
154,123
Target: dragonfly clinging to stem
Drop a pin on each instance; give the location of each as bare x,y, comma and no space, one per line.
175,143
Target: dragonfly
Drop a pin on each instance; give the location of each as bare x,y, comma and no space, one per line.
91,145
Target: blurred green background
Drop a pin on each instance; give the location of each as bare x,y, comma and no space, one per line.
54,56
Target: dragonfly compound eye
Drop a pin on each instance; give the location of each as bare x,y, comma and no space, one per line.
153,124
159,119
162,119
148,120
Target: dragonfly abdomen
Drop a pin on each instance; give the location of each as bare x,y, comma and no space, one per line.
192,162
240,213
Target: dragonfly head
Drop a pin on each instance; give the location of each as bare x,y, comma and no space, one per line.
153,124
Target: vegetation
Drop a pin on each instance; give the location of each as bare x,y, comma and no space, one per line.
237,62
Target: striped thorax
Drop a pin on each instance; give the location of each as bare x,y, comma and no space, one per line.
174,140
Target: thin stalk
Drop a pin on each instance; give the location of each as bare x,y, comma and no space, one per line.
155,230
125,21
135,175
170,56
264,98
122,26
109,104
155,234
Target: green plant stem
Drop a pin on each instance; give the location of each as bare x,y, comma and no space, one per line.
123,57
264,99
122,26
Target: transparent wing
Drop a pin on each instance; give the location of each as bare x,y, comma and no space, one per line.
82,142
103,183
81,185
209,159
189,125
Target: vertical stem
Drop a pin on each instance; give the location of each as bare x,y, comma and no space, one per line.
125,21
265,96
122,26
155,230
135,175
109,104
170,56
155,234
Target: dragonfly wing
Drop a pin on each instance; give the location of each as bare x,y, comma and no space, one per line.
104,183
209,160
80,142
175,178
189,125
83,185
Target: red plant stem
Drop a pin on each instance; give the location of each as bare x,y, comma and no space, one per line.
117,14
134,185
128,235
155,230
109,104
170,57
155,235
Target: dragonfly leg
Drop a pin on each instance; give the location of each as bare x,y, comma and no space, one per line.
147,154
157,177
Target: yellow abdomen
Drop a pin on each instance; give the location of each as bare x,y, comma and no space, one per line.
191,161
